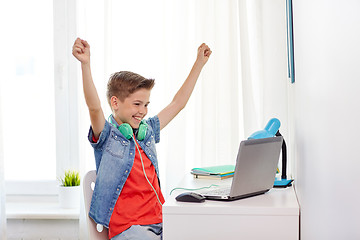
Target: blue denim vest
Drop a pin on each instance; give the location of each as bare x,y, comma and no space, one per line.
114,157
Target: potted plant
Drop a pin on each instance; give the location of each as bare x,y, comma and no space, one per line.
69,190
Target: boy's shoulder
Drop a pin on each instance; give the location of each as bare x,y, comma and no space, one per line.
154,123
103,135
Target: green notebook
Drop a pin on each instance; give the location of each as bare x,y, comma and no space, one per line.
214,170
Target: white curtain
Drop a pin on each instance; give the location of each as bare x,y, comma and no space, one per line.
243,84
265,83
264,66
209,129
159,39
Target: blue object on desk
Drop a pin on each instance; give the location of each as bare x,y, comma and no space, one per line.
270,130
283,183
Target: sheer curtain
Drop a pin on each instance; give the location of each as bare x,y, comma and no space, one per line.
265,83
242,86
159,39
264,67
209,129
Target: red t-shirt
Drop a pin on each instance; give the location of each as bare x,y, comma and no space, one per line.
137,203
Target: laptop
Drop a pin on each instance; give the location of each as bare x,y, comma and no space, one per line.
255,170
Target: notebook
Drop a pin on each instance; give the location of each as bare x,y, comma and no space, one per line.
255,170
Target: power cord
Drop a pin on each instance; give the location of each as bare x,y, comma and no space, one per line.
193,189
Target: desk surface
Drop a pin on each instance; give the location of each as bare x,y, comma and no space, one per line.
277,201
273,215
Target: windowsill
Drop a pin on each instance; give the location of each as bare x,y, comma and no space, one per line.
38,207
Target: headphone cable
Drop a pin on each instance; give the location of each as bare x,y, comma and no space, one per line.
142,163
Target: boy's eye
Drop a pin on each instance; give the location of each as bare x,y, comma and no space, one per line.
139,104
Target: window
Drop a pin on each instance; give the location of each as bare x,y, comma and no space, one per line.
39,103
28,92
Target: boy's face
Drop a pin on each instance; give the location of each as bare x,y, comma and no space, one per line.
133,109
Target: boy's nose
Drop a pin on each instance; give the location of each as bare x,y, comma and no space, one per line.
142,110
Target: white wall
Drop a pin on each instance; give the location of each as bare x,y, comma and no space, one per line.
43,229
327,113
2,186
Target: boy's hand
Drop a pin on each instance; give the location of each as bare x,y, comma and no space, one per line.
81,50
204,53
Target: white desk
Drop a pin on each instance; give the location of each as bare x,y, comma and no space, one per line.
273,215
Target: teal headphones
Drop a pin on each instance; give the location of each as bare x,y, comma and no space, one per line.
127,131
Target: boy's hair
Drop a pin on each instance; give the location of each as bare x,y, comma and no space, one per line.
122,84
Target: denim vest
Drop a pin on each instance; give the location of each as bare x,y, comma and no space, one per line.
114,157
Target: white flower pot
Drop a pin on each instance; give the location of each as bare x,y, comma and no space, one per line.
69,197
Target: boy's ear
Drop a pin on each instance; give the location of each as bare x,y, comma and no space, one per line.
114,102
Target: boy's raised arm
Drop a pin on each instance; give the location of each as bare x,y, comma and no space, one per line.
184,93
81,51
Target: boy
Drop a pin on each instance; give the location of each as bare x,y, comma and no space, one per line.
127,198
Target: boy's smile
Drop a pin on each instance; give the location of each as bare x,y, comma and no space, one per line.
133,109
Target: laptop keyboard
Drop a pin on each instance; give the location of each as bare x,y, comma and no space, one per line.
217,192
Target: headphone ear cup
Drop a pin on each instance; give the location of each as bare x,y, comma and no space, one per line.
142,131
126,130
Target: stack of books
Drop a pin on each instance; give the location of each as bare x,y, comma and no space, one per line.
214,172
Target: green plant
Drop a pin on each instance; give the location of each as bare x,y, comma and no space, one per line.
70,179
